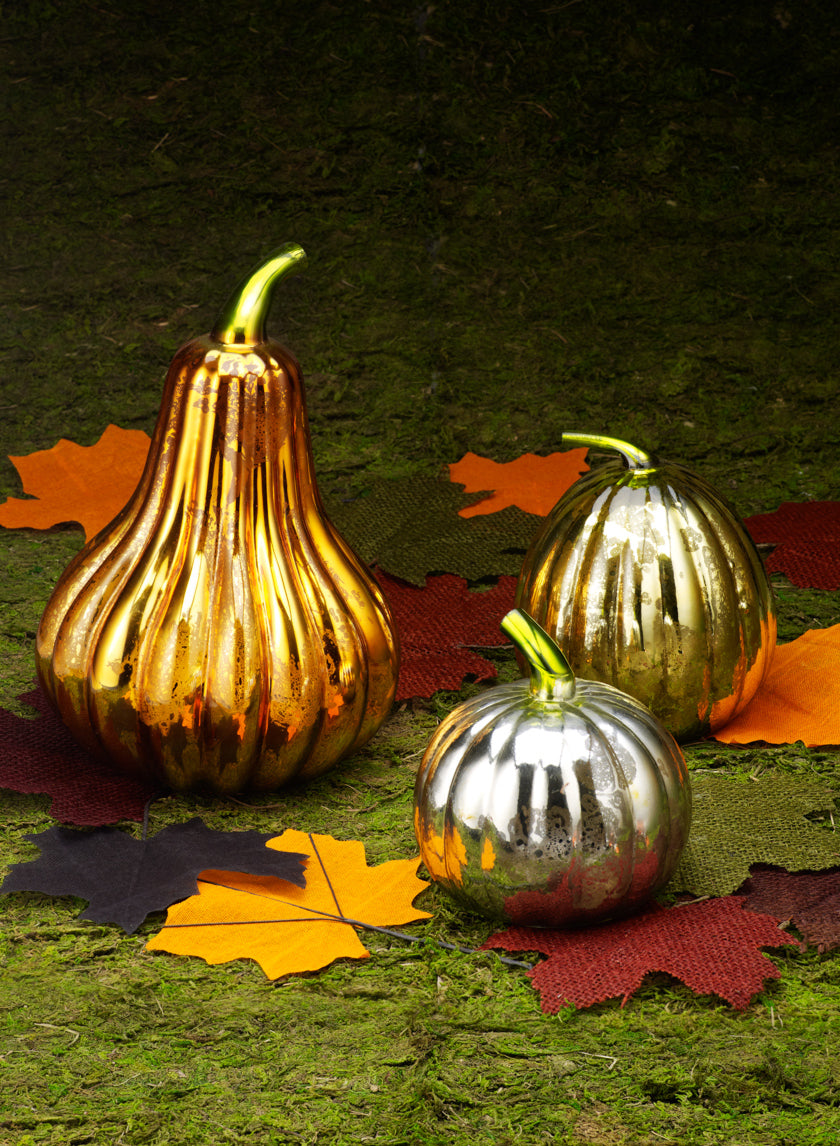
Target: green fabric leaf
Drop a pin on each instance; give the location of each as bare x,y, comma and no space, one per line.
411,527
738,822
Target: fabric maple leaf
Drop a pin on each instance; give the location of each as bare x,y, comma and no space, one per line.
441,625
711,946
289,930
799,699
809,899
411,526
39,756
88,484
807,539
124,879
737,823
531,482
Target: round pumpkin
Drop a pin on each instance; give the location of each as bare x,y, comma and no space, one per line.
219,634
551,801
648,580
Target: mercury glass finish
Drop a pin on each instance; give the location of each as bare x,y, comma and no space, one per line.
551,801
219,634
649,582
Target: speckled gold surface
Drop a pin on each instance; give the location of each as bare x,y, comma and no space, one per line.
649,582
219,634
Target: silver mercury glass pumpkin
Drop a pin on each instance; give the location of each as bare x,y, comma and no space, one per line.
551,801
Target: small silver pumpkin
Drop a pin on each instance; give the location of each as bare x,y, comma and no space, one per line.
551,801
648,581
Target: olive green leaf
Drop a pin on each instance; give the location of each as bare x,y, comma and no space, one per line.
740,821
410,527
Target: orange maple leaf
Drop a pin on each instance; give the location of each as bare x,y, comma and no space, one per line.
287,929
533,483
798,699
88,484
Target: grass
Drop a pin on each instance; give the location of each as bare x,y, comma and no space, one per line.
521,219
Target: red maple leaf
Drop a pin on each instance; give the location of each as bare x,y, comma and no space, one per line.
711,945
440,628
809,899
807,537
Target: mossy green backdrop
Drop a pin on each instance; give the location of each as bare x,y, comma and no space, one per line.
522,218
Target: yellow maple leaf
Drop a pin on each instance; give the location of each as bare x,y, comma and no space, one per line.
287,929
531,482
88,484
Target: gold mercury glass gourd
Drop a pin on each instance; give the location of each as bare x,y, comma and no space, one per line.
648,581
219,634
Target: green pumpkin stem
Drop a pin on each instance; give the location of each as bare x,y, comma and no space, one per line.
549,668
635,458
242,319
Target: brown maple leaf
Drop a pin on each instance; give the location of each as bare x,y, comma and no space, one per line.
809,899
712,946
88,484
441,626
286,929
531,482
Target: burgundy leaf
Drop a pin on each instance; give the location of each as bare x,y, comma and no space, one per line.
40,755
807,538
441,625
809,899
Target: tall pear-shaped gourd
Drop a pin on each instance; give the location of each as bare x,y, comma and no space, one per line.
219,634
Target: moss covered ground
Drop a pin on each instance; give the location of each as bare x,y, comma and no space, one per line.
522,218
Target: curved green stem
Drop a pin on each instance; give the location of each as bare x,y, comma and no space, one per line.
549,668
635,458
242,318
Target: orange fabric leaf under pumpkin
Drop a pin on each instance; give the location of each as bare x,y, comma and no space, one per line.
530,482
88,484
287,929
799,698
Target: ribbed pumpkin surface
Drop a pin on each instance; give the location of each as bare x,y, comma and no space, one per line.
554,811
648,581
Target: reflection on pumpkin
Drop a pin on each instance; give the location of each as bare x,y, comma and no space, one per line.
444,855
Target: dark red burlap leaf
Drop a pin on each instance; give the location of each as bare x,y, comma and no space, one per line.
40,756
807,538
440,627
712,946
809,899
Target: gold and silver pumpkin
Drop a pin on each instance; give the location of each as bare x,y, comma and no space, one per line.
648,580
551,801
219,633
